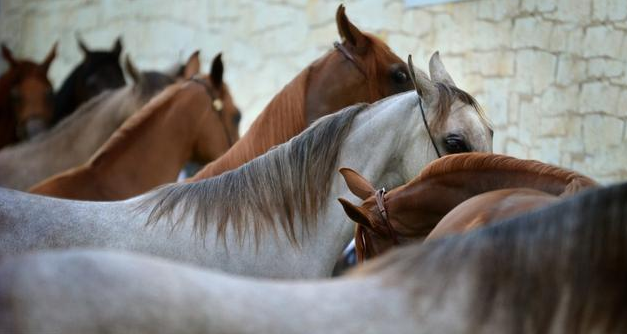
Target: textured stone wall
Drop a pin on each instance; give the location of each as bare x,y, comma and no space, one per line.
552,75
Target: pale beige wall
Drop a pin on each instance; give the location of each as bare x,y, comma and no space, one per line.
552,75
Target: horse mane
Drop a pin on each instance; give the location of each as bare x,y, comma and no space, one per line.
566,262
293,178
489,161
286,108
132,127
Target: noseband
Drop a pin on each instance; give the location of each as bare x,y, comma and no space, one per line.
343,50
363,240
217,105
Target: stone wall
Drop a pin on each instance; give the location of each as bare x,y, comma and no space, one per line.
552,75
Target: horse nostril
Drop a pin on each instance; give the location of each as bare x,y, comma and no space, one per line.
34,127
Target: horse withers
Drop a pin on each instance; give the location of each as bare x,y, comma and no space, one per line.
26,98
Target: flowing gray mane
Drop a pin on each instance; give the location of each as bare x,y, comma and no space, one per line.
293,178
576,248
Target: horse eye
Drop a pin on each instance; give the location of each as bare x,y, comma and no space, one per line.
455,144
399,76
237,118
15,96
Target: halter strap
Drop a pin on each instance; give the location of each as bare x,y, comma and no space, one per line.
343,50
380,199
424,120
216,104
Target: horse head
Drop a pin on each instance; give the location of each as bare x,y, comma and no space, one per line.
30,94
219,123
368,69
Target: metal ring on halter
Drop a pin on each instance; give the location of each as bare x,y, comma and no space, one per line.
340,47
424,120
216,104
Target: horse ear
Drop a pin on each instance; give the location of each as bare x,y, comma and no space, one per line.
131,69
217,70
192,67
438,72
356,213
424,87
50,57
117,47
82,45
8,55
357,184
348,32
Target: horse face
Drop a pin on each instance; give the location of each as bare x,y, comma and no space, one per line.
219,126
32,100
101,71
361,69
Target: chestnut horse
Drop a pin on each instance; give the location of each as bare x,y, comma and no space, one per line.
561,269
26,98
490,207
195,119
413,210
72,141
360,69
100,70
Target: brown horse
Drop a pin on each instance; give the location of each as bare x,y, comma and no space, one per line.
360,69
491,207
195,119
26,98
414,209
74,140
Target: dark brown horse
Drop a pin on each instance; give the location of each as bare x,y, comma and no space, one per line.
99,70
412,211
360,69
26,98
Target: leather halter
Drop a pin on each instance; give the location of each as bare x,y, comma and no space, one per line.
363,240
343,50
216,104
380,199
424,120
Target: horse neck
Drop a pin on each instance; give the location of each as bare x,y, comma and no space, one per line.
65,101
370,131
428,200
282,119
155,142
